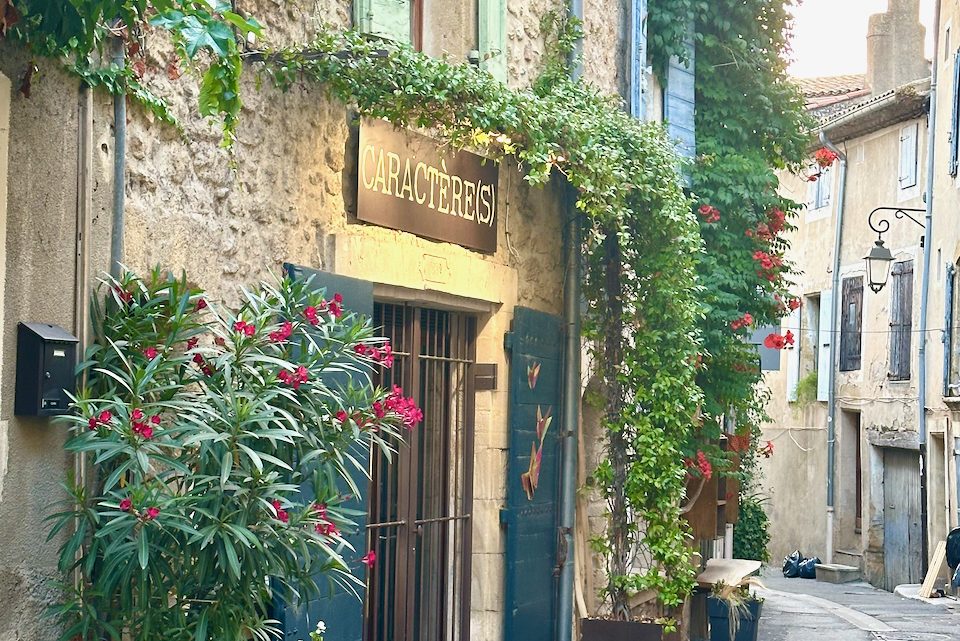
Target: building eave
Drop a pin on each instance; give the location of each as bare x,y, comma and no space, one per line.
895,106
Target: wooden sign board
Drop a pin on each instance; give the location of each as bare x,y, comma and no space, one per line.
408,182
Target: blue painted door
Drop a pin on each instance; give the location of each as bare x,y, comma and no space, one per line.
340,610
533,477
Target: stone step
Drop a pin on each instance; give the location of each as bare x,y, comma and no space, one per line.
837,573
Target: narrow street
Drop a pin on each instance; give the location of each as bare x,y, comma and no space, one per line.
800,610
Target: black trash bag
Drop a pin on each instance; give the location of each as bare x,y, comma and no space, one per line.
808,568
791,565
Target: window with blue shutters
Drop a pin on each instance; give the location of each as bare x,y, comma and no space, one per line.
390,19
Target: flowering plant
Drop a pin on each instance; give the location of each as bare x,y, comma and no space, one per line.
225,445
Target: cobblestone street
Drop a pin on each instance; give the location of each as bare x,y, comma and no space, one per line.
800,610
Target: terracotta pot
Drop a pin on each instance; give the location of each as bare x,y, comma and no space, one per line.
605,630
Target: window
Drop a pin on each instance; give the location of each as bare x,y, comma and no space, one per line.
391,19
820,189
901,319
851,318
769,357
909,141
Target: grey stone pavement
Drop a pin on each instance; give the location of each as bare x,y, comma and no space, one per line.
810,610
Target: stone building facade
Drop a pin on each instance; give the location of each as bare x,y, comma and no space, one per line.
879,126
285,194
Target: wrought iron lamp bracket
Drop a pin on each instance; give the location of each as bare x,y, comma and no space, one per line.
882,223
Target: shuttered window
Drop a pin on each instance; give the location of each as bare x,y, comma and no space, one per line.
820,190
492,30
955,115
851,319
390,19
901,319
638,58
908,156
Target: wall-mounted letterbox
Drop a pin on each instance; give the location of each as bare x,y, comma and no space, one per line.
46,361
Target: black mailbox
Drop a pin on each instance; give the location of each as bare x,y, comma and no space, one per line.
46,360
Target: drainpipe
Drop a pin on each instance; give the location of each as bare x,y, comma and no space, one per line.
571,385
119,167
925,291
834,344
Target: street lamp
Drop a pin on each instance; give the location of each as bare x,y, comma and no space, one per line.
880,257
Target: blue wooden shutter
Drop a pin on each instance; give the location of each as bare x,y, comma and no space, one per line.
492,30
638,58
948,337
769,357
342,612
851,321
391,19
901,319
955,114
531,519
679,101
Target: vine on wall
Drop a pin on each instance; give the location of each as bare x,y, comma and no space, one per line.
750,123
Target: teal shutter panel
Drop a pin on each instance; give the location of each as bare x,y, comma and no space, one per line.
492,28
638,58
531,516
769,357
343,611
679,102
955,116
389,19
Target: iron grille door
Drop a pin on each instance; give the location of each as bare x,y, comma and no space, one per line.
419,520
533,477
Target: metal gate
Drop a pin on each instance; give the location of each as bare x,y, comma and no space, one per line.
533,477
420,502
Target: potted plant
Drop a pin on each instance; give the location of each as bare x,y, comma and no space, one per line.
734,611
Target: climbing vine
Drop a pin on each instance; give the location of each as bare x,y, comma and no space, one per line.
750,123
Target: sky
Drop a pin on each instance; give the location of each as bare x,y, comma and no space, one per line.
830,35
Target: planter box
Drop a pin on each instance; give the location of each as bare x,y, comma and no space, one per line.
604,630
719,612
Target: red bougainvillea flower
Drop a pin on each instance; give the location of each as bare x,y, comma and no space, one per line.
382,355
201,304
709,213
335,309
825,157
151,353
774,341
341,416
338,298
152,513
320,509
326,528
793,304
369,559
788,338
282,515
310,313
136,415
296,378
192,343
744,321
406,408
155,419
282,334
767,450
124,296
102,418
777,220
126,504
703,464
247,329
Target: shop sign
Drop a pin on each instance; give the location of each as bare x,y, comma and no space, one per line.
409,182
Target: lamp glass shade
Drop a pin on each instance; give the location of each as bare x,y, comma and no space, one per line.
878,266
